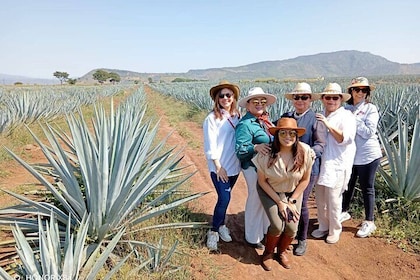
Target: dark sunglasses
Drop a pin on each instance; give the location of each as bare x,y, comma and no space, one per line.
335,98
228,95
364,90
302,97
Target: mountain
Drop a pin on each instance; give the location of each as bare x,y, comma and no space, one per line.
11,79
334,64
346,63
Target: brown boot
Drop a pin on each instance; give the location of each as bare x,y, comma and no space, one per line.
267,256
282,245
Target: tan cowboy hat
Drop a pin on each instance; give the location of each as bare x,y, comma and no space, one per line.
257,92
334,89
225,84
360,82
302,88
287,123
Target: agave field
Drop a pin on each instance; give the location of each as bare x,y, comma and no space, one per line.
106,180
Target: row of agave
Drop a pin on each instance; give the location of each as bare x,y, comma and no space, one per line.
24,105
107,183
397,100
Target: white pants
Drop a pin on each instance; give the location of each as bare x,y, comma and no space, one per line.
328,202
256,220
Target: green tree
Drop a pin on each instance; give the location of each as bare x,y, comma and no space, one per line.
101,76
62,76
114,77
71,81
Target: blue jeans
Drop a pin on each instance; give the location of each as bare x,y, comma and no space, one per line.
366,174
223,198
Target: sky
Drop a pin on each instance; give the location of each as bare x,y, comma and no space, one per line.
40,37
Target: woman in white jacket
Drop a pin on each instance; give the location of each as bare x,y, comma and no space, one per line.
368,152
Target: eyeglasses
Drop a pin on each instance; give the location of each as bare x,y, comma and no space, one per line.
364,90
335,98
228,95
302,97
284,133
258,102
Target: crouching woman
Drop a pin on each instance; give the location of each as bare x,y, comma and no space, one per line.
283,175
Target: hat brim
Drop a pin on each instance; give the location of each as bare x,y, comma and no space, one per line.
314,96
271,99
300,130
346,96
232,87
372,88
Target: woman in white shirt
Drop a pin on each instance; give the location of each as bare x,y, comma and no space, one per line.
219,147
368,152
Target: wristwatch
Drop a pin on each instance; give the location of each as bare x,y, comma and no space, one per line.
292,200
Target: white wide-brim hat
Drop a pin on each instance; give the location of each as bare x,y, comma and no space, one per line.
334,89
360,82
302,88
257,92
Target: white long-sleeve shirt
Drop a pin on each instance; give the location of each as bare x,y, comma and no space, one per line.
338,156
367,143
219,142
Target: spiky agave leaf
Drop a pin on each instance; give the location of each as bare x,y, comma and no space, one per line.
400,171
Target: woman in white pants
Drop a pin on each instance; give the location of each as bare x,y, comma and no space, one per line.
252,137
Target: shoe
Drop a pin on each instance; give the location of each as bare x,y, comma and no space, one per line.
331,239
367,228
319,233
300,248
258,245
344,216
224,233
212,239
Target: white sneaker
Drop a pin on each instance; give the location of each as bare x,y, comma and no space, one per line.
331,239
224,233
319,233
367,228
212,239
344,216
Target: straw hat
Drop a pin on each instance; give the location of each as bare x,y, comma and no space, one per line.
360,82
334,89
257,92
302,88
287,123
225,84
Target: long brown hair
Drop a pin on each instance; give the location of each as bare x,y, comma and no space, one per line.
217,108
297,151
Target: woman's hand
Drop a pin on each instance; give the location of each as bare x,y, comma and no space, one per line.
320,117
262,148
295,215
222,175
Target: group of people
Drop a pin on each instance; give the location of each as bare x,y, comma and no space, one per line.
283,161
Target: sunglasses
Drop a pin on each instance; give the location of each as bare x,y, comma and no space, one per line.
284,133
302,97
364,90
228,95
258,102
335,98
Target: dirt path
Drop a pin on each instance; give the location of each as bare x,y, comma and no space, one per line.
350,258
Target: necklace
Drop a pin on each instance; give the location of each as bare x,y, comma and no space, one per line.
286,158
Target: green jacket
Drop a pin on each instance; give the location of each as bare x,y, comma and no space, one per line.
248,132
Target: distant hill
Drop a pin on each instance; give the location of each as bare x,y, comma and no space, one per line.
11,79
333,64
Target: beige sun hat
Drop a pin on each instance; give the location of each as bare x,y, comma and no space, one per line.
225,84
257,92
334,89
302,88
360,82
